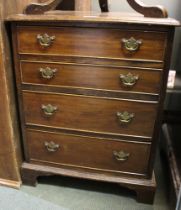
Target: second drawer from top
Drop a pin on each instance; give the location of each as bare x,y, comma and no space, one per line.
91,77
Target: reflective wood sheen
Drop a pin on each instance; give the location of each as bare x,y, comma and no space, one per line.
92,77
89,113
86,152
94,42
95,17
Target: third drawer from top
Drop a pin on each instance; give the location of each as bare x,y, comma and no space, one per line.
92,114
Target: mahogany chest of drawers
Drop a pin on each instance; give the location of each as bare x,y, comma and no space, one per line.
90,94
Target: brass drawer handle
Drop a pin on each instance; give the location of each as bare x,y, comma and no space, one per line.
129,80
45,40
51,146
49,110
121,155
132,45
47,73
125,117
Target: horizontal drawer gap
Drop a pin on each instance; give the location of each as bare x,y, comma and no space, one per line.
54,25
90,64
87,96
115,24
93,61
127,95
92,57
93,134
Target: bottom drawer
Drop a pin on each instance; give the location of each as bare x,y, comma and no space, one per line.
88,152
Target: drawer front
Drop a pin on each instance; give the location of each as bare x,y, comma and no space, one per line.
90,113
94,77
86,152
94,42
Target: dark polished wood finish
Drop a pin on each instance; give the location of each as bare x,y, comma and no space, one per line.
92,77
102,114
78,122
101,43
96,154
92,19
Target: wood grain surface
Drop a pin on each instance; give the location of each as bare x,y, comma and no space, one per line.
94,42
10,155
91,77
89,113
86,152
95,17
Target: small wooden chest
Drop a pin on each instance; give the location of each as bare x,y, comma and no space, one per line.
90,92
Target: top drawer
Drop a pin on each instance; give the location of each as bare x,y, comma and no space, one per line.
91,42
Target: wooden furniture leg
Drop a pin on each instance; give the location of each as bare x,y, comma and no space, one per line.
29,176
145,195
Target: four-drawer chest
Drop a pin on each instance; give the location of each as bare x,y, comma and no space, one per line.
90,91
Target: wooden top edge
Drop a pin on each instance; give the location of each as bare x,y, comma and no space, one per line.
94,17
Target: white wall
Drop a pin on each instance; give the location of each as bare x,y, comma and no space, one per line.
174,10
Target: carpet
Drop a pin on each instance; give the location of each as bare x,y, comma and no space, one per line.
77,194
61,193
11,199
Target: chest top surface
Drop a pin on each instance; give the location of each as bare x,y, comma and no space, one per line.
93,17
